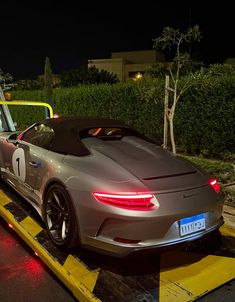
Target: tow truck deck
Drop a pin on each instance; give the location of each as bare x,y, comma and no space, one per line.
175,275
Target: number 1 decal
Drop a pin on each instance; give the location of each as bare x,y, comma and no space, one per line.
18,163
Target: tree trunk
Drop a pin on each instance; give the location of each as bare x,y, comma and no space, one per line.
48,84
166,101
172,134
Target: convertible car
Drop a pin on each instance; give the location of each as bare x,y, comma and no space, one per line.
101,184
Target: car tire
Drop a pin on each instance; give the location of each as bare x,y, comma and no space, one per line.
60,219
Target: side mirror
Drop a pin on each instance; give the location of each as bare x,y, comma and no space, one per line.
13,138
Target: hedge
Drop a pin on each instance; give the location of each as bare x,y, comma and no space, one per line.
204,118
125,102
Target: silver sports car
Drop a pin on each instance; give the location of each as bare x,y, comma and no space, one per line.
101,184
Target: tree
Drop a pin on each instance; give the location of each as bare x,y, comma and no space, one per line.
48,81
178,42
37,84
218,70
90,75
5,78
48,84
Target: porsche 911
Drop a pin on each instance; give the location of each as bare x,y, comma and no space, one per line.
101,184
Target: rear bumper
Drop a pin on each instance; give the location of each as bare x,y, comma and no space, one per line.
110,247
100,225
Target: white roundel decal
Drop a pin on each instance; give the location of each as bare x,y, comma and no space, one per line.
18,163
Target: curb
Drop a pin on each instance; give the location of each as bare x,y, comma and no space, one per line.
229,216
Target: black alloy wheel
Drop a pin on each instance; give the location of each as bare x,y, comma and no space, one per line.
60,218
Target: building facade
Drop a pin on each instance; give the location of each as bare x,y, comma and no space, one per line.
128,65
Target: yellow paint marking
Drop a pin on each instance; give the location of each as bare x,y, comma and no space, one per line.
226,231
31,226
79,271
4,199
28,103
188,282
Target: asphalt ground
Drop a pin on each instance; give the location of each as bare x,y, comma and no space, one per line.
23,276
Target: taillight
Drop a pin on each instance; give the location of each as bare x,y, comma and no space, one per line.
130,201
19,137
214,184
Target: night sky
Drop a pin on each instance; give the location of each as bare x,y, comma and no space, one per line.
71,34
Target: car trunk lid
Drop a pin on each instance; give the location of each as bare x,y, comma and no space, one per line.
158,169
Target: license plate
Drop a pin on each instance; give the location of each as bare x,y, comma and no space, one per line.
192,224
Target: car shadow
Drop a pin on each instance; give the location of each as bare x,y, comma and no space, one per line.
153,261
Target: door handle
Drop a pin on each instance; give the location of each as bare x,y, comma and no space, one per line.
34,164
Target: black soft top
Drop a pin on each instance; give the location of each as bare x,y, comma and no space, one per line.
68,132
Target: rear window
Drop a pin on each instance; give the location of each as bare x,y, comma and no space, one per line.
106,133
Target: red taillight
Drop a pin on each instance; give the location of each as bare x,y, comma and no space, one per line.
215,185
56,115
19,137
130,201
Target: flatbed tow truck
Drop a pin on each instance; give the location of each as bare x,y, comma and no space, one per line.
171,276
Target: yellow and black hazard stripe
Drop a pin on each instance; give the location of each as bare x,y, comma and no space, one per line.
110,281
73,273
171,276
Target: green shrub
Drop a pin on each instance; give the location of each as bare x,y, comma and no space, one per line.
222,170
204,119
126,102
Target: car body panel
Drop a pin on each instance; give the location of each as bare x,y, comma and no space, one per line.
129,163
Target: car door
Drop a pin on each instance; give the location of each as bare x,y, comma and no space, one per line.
28,160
